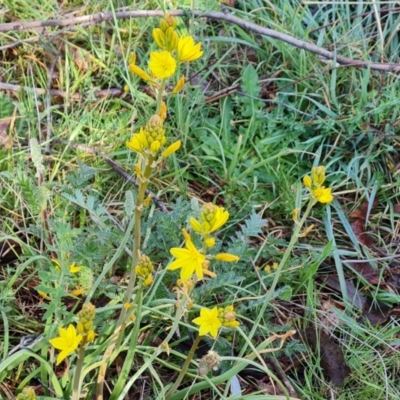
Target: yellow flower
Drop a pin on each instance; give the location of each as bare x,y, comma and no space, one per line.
139,72
171,149
162,64
212,218
179,85
226,257
227,316
208,322
190,260
187,50
138,142
323,195
314,185
67,342
73,268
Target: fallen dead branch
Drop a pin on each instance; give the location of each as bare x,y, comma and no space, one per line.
221,16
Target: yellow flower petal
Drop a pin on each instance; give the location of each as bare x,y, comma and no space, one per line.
323,195
307,182
139,72
179,85
159,38
188,50
226,257
77,292
155,146
186,234
138,142
171,149
171,39
196,225
221,218
73,268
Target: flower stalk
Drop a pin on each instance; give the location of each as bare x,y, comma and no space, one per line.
294,239
76,390
121,323
184,369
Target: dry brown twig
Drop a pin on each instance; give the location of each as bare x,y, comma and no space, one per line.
221,16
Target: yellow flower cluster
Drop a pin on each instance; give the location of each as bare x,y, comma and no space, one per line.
210,321
144,270
28,393
212,218
85,324
70,339
314,185
150,139
193,261
174,49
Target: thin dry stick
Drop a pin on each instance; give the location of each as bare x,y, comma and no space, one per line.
250,26
112,92
117,168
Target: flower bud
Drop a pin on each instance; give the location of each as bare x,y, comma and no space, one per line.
171,149
209,242
179,85
307,182
226,257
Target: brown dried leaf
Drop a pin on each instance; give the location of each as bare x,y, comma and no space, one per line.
5,138
376,312
359,218
367,272
229,3
332,358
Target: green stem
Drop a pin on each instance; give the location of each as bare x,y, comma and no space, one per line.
128,362
120,327
293,241
184,368
76,391
136,238
160,94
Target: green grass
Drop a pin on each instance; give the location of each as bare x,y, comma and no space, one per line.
247,151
